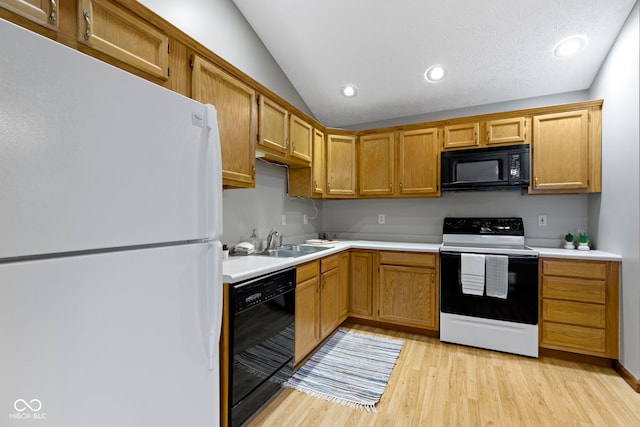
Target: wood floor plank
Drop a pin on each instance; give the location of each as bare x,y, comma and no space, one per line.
441,384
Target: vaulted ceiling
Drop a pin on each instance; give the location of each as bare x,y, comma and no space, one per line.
491,51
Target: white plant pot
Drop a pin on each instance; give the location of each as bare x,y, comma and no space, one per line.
583,246
568,245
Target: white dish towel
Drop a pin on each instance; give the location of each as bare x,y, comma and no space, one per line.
472,274
497,272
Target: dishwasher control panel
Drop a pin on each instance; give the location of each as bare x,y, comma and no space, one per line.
262,289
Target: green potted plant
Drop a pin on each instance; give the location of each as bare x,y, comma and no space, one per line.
568,241
583,242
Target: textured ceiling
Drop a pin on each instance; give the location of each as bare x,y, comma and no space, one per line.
492,51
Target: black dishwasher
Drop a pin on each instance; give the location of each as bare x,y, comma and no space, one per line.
261,339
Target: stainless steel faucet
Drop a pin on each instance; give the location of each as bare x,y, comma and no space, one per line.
270,237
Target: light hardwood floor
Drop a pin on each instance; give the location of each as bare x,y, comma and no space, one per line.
440,384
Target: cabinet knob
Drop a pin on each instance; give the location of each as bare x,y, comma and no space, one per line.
391,186
400,186
315,185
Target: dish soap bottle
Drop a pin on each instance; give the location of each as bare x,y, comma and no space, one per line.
253,239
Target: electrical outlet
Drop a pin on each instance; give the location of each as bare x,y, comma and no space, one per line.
542,220
284,219
381,219
305,219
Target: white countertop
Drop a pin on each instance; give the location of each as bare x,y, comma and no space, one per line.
238,268
574,253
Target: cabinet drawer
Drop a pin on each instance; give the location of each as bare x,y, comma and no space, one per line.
575,313
328,263
408,258
585,269
574,289
307,271
557,335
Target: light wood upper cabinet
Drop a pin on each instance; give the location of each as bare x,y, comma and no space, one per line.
43,12
376,162
118,33
310,182
273,128
465,135
318,167
236,105
301,138
341,165
418,170
561,151
507,131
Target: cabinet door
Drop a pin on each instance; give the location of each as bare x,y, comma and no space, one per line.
375,164
343,285
341,165
408,296
507,131
318,164
306,317
273,126
301,138
329,302
461,135
561,151
121,35
235,104
361,285
418,162
43,12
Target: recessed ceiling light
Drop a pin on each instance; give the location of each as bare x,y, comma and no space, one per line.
570,46
349,90
434,73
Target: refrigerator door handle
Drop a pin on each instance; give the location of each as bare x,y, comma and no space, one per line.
213,174
214,300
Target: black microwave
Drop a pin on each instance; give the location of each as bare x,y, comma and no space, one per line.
494,168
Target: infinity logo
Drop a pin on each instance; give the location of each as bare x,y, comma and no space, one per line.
22,405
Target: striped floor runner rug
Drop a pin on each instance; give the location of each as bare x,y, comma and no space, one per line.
351,369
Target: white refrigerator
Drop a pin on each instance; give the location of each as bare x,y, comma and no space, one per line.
110,264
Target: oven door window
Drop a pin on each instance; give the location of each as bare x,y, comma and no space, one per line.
263,344
521,304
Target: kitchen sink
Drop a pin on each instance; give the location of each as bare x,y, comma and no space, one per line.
292,251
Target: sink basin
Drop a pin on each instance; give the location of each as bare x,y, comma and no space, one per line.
291,251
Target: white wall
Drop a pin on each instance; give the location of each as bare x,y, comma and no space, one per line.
262,208
219,26
615,213
420,220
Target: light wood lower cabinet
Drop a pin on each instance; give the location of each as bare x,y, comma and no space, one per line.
320,295
361,284
408,289
307,333
579,306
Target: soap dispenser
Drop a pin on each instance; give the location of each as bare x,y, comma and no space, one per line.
253,239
